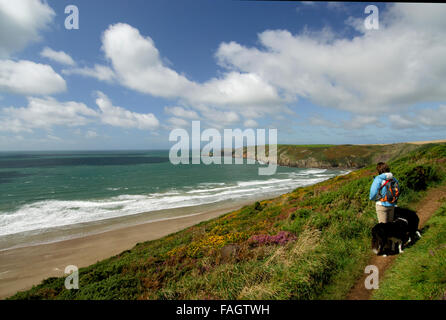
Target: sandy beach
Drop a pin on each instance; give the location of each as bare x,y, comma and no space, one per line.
21,268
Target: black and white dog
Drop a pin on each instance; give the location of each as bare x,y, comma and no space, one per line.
397,233
412,219
393,233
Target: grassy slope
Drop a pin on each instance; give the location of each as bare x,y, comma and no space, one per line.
338,156
215,259
421,272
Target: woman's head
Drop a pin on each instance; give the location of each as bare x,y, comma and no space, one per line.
382,167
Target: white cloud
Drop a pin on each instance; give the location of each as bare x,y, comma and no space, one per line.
181,112
91,134
178,122
360,121
120,117
21,22
44,114
226,117
401,122
355,123
52,137
423,16
29,78
139,66
217,118
250,123
432,117
392,68
336,5
58,56
243,89
427,117
321,122
100,72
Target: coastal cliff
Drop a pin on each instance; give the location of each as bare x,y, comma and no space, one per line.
330,156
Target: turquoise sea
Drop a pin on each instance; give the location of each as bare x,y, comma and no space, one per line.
44,191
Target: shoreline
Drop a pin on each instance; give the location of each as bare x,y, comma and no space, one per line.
47,255
80,230
23,267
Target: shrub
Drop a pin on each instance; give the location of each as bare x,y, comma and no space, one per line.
417,177
258,206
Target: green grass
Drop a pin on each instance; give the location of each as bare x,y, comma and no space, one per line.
339,156
419,273
217,259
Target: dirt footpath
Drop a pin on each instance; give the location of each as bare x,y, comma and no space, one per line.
425,209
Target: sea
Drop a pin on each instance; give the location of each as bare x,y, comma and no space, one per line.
51,196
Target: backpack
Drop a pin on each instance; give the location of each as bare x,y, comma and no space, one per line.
392,191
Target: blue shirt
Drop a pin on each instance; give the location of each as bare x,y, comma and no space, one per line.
377,183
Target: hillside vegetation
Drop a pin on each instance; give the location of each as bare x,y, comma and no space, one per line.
335,156
312,243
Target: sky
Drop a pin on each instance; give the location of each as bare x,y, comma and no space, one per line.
136,70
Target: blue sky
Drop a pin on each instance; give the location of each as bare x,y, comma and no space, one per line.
135,70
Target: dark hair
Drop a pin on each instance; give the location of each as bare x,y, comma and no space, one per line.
382,167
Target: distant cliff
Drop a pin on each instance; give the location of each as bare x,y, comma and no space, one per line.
331,156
